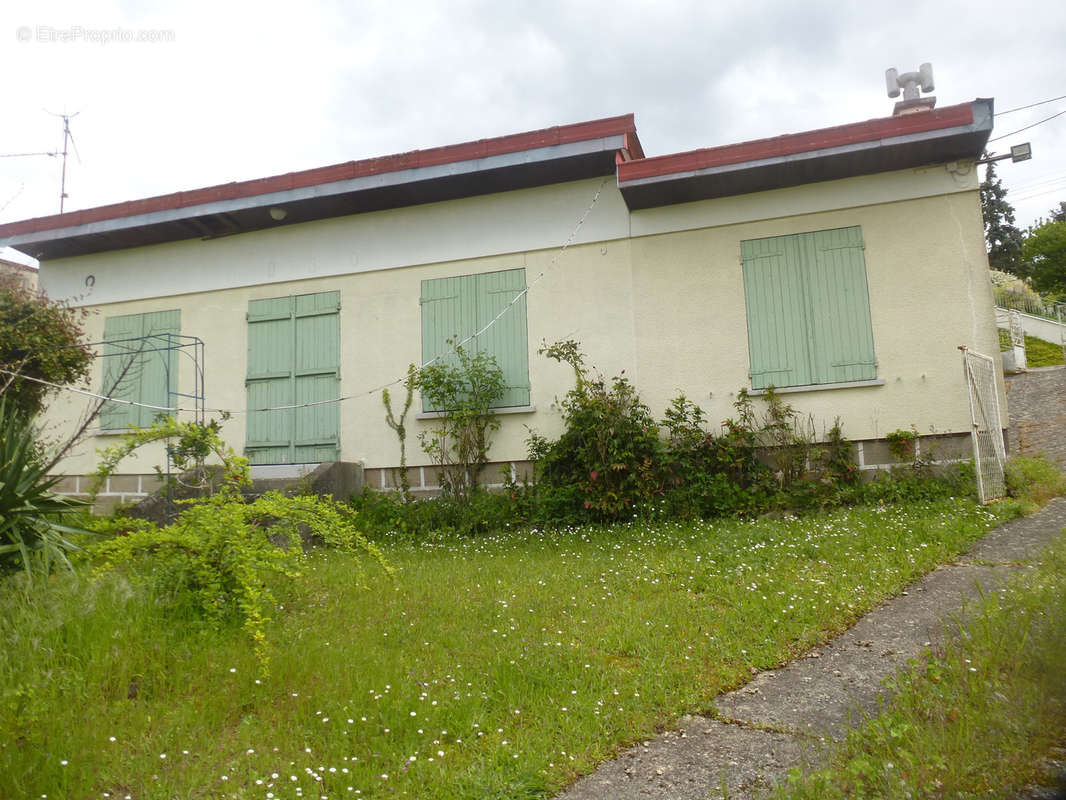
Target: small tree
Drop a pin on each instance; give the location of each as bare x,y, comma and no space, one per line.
1002,238
400,427
1045,250
39,338
464,391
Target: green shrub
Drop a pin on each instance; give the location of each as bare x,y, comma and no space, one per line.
709,475
830,476
189,445
902,444
220,553
459,441
387,516
39,338
34,520
905,484
607,463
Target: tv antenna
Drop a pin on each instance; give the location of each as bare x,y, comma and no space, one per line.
68,138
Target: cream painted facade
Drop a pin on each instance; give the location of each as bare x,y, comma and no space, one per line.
658,293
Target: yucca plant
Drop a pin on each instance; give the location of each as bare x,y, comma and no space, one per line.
33,534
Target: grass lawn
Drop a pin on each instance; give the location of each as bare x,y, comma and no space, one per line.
1038,353
500,666
975,718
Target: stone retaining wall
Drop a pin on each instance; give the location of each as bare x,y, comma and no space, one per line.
1037,403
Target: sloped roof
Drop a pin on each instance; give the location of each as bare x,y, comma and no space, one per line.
536,158
925,137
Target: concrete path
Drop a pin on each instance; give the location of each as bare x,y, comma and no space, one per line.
786,715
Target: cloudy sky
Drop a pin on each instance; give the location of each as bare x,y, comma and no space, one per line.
171,98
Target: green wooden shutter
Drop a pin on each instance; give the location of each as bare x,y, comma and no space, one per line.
840,308
120,356
506,338
457,308
449,313
317,376
293,359
137,349
777,324
159,371
270,380
808,309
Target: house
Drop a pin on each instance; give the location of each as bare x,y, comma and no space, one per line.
843,266
15,264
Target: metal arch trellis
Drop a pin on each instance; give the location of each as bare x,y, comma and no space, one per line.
163,346
986,431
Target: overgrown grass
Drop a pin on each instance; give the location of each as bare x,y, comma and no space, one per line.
974,719
500,666
1038,352
1033,482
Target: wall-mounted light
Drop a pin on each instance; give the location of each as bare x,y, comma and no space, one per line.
278,214
1021,152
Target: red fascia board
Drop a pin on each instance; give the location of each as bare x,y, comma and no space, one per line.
623,125
793,143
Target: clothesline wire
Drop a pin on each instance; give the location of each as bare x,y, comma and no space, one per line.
355,395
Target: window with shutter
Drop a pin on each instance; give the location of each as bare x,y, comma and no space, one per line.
140,365
454,309
294,370
808,309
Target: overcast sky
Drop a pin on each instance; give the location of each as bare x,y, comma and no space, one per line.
211,92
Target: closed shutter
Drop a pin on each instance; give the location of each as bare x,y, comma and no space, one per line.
506,338
317,376
777,324
449,315
293,359
140,366
840,305
808,309
454,309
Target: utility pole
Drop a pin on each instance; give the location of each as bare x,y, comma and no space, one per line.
68,137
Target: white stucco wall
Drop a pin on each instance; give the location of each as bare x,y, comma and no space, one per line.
657,293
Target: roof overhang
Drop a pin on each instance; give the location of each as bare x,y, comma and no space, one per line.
954,133
552,155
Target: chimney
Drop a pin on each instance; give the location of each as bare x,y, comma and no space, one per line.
910,82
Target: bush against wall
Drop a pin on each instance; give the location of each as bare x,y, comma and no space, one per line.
608,460
464,390
708,475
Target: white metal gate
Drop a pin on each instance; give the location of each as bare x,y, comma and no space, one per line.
989,452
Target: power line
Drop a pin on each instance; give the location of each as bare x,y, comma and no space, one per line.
26,155
1027,127
1031,105
1041,194
1024,187
87,393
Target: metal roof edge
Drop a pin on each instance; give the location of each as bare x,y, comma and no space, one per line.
333,188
